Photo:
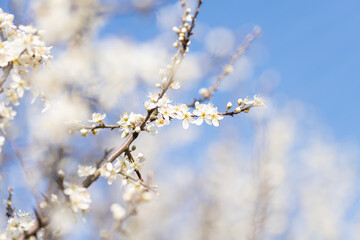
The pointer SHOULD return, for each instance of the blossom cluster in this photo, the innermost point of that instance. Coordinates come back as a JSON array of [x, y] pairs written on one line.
[[129, 123], [21, 46], [166, 111], [17, 225], [21, 49], [124, 168]]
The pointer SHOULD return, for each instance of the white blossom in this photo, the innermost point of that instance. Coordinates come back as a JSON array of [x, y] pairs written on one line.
[[84, 171], [111, 171], [97, 117], [118, 211], [18, 224], [79, 197]]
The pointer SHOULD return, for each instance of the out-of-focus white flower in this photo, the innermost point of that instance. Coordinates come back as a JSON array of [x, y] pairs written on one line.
[[6, 112], [131, 191], [204, 92], [47, 105], [84, 171], [13, 96], [258, 101], [84, 132], [147, 196], [175, 85], [97, 117], [19, 84], [228, 69], [150, 128], [79, 197], [118, 212]]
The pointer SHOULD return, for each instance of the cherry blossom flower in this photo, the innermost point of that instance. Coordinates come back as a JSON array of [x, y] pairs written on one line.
[[97, 117], [111, 171], [118, 211]]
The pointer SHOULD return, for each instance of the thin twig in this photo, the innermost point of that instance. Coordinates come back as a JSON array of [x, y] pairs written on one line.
[[9, 208], [131, 159], [142, 183]]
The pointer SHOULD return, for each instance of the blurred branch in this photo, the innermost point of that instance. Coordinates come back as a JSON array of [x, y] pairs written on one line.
[[28, 175], [260, 213], [208, 93], [6, 71]]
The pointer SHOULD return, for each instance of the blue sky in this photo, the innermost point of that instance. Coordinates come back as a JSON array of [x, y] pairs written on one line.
[[314, 45]]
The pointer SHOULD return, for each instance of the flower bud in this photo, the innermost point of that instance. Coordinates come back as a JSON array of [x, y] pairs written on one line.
[[137, 129], [176, 29], [229, 105]]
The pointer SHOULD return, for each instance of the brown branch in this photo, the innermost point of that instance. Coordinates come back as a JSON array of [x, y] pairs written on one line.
[[92, 178], [192, 25], [3, 38], [244, 109], [6, 72], [100, 126]]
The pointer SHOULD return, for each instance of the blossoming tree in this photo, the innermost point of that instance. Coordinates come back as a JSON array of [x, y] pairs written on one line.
[[22, 54]]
